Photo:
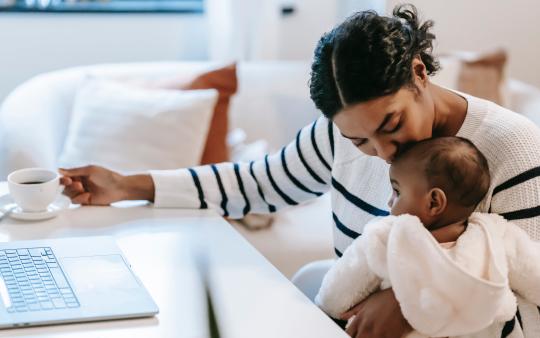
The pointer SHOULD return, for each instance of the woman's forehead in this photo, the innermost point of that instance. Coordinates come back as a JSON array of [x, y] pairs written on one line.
[[365, 118]]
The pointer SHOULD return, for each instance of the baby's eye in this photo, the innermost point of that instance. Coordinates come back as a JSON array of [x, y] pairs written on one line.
[[396, 192]]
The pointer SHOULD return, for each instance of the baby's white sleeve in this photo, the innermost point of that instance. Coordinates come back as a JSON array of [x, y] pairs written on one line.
[[523, 256], [348, 282]]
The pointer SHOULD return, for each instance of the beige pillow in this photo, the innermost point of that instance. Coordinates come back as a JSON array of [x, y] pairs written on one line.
[[131, 129], [478, 74]]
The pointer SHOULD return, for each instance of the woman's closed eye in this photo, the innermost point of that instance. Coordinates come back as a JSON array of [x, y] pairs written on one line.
[[359, 142], [388, 130], [394, 127]]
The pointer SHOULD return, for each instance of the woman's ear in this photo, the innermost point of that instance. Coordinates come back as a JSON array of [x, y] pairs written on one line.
[[437, 202], [419, 71]]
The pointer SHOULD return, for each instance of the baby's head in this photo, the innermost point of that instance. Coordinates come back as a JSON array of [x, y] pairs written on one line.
[[440, 180]]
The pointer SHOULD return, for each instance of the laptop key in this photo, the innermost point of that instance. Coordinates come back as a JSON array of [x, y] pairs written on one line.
[[59, 303], [47, 305], [16, 297], [36, 252], [59, 278], [65, 291], [34, 307]]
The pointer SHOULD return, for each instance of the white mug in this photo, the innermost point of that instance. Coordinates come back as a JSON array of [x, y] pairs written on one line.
[[34, 189]]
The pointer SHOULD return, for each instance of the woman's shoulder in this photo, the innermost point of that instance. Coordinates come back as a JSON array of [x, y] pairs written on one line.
[[500, 128], [509, 141]]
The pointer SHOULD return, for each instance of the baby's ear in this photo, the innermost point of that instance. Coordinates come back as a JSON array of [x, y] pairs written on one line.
[[437, 202]]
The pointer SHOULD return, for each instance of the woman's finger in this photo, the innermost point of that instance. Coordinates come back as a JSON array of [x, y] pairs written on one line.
[[352, 327], [83, 198], [351, 312], [65, 180], [75, 188], [71, 194], [81, 171]]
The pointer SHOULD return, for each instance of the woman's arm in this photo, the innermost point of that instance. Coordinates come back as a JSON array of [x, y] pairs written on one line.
[[299, 171], [516, 195]]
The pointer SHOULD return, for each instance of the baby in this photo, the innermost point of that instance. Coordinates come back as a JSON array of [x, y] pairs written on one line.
[[451, 269]]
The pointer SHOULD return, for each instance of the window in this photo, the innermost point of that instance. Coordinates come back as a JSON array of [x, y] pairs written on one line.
[[103, 6]]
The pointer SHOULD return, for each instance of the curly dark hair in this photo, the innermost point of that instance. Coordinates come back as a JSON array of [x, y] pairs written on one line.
[[369, 56]]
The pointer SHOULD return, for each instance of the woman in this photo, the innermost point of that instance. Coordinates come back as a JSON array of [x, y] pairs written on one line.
[[370, 80]]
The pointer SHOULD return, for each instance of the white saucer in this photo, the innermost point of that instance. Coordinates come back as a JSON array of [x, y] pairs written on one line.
[[62, 202]]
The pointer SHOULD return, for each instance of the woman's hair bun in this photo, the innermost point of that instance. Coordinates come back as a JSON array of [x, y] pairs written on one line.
[[421, 36]]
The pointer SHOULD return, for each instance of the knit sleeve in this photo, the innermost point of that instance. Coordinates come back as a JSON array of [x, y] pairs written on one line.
[[298, 172], [516, 195]]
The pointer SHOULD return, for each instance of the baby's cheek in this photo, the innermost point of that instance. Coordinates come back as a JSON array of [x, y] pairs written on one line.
[[395, 207]]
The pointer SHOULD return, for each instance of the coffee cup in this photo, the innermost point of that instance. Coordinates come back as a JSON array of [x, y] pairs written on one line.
[[34, 189]]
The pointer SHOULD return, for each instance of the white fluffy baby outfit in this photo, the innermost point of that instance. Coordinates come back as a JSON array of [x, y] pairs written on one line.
[[456, 292]]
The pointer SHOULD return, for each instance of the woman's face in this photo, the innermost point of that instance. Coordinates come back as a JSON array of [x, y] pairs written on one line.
[[380, 127]]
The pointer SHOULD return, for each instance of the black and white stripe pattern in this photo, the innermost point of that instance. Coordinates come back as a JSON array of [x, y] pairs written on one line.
[[317, 162], [298, 172]]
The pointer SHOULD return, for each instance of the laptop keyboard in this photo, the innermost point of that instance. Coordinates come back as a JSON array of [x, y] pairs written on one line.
[[35, 281]]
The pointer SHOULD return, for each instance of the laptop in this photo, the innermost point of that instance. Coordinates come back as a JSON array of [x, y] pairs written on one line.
[[68, 280]]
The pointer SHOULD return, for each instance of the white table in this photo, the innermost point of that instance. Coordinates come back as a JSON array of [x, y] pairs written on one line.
[[251, 298]]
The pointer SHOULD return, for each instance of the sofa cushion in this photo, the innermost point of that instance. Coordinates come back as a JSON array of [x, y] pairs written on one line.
[[477, 74], [129, 128], [224, 80]]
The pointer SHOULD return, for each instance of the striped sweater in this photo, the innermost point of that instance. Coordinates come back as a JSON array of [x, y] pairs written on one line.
[[321, 160]]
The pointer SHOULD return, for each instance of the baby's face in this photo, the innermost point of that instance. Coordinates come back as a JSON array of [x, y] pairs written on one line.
[[410, 192]]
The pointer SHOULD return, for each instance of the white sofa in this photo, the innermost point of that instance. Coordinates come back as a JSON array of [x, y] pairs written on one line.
[[272, 104]]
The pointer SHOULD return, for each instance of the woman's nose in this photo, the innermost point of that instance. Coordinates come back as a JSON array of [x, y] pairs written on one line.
[[385, 150]]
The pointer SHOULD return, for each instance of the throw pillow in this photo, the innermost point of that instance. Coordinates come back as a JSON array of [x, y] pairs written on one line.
[[224, 80], [477, 74], [129, 128]]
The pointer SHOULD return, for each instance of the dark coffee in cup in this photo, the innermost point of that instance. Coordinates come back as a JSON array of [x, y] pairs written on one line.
[[34, 189]]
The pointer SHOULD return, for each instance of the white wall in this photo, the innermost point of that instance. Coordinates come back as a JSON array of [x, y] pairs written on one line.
[[300, 32], [483, 24], [34, 43]]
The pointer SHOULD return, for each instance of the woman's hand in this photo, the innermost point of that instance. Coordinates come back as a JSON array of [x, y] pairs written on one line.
[[379, 316], [94, 185]]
